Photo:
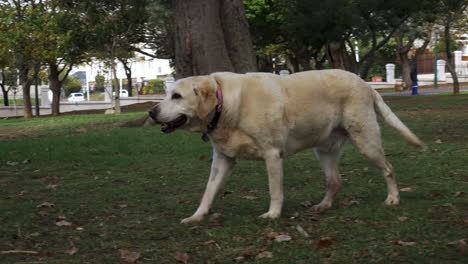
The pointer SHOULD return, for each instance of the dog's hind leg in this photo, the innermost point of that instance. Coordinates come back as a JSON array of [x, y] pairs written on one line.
[[221, 169], [365, 136], [329, 155]]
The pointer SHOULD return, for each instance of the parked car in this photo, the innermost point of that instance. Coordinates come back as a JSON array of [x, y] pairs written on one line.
[[76, 97], [123, 93]]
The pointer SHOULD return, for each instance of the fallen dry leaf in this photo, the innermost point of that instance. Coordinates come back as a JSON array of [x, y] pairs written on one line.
[[215, 217], [249, 197], [282, 238], [35, 234], [438, 141], [239, 259], [43, 213], [123, 206], [71, 251], [182, 257], [456, 194], [63, 223], [12, 163], [460, 242], [129, 256], [264, 254], [349, 202], [209, 242], [402, 218], [302, 231], [324, 243], [46, 204], [272, 235], [403, 243], [406, 189]]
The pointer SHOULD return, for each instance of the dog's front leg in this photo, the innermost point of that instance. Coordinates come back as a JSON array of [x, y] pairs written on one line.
[[274, 164], [221, 168]]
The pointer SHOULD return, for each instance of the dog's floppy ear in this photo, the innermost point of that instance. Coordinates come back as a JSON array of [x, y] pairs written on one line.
[[207, 100]]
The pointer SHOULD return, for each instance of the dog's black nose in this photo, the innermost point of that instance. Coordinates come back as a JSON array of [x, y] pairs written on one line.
[[151, 114]]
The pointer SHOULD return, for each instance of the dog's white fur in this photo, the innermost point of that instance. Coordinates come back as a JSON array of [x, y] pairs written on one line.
[[270, 117]]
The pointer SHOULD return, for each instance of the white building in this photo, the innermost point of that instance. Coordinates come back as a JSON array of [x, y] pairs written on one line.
[[143, 68]]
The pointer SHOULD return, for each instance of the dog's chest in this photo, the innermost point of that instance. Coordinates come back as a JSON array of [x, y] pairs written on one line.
[[235, 143]]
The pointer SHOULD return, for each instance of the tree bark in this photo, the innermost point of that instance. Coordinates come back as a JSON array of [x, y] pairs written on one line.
[[405, 70], [338, 56], [448, 51], [26, 82], [211, 36], [4, 90], [237, 36], [55, 87], [128, 74], [55, 84]]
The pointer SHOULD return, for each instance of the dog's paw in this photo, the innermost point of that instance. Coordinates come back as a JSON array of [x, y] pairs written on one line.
[[392, 200], [192, 219], [270, 215], [321, 207]]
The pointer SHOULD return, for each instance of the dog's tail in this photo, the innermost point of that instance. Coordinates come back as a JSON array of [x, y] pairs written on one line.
[[390, 118]]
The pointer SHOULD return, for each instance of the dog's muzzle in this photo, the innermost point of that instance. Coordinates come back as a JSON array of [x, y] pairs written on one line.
[[153, 113], [167, 127]]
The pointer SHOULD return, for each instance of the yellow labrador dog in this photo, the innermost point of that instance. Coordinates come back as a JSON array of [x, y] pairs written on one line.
[[269, 117]]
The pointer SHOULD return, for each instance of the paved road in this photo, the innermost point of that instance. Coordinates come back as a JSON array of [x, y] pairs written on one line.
[[424, 91]]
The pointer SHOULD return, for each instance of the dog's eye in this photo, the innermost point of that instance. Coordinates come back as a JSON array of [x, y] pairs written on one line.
[[176, 96]]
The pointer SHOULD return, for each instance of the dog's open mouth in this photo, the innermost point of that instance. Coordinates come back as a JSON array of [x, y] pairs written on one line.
[[169, 127]]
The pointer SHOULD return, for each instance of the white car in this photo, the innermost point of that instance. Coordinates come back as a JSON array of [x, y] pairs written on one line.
[[123, 93], [76, 97]]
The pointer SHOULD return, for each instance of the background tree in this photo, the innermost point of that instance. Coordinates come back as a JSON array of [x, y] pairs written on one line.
[[126, 57], [452, 11], [4, 72], [210, 36], [20, 24], [72, 84], [65, 45], [419, 28]]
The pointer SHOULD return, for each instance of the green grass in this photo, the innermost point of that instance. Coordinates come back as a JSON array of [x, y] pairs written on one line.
[[128, 188]]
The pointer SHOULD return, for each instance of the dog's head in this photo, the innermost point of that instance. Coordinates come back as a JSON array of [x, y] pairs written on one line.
[[187, 104]]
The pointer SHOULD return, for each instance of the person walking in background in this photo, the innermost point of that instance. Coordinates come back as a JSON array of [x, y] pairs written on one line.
[[414, 79]]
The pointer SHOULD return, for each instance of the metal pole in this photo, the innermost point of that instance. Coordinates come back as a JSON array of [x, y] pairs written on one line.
[[435, 57], [37, 98]]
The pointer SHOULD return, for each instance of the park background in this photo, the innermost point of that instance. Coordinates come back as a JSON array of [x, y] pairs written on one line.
[[88, 187]]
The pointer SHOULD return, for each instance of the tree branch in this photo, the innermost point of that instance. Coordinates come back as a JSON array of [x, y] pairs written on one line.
[[144, 53]]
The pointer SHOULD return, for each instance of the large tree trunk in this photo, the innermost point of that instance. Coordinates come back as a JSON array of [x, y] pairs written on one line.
[[405, 69], [55, 86], [211, 36], [237, 36], [448, 51], [26, 82], [4, 90], [5, 95], [338, 56], [128, 73]]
